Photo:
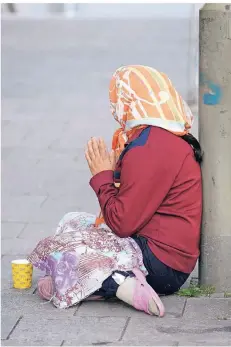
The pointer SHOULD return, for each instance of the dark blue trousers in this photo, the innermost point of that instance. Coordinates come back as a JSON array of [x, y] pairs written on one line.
[[163, 279]]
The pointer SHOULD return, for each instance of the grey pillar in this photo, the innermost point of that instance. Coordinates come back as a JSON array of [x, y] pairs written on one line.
[[215, 139]]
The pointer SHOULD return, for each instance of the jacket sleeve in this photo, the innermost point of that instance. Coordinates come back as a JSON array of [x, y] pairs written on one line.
[[145, 182]]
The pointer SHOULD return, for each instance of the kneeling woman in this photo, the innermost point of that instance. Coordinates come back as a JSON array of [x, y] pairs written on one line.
[[146, 240]]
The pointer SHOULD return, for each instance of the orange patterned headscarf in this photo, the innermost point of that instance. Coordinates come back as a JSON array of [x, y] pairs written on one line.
[[141, 96]]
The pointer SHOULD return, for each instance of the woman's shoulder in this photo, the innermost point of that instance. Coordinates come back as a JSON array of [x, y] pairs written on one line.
[[168, 142]]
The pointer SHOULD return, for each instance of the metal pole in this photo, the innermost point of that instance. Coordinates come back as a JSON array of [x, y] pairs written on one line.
[[215, 139]]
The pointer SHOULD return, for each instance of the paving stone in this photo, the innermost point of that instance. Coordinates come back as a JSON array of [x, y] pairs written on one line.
[[23, 302], [4, 123], [30, 343], [25, 157], [217, 295], [34, 183], [22, 208], [81, 330], [15, 132], [52, 208], [37, 231], [75, 184], [56, 207], [70, 159], [107, 309], [10, 109], [73, 173], [85, 130], [21, 186], [54, 183], [24, 163], [206, 342], [5, 152], [177, 329], [65, 108], [16, 246], [153, 342], [207, 308], [11, 230], [55, 172], [44, 182], [43, 133], [8, 323], [174, 307]]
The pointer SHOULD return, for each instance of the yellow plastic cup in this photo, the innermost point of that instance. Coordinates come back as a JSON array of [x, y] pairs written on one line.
[[22, 271]]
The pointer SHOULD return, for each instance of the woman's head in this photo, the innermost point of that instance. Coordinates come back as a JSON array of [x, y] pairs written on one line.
[[140, 95]]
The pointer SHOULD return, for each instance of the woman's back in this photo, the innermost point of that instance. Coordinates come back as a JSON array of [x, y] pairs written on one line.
[[174, 229]]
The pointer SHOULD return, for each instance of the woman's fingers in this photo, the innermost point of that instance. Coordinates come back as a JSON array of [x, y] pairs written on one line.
[[87, 156], [112, 157], [90, 149], [95, 146], [102, 148]]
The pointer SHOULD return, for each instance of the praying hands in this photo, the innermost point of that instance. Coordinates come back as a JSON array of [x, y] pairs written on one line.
[[98, 157]]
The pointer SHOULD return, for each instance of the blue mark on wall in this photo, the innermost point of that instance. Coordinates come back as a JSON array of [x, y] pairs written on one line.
[[213, 97], [213, 94]]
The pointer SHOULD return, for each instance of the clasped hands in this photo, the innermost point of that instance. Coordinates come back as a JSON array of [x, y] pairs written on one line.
[[98, 157]]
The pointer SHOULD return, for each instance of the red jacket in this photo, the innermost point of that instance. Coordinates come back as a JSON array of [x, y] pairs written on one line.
[[160, 197]]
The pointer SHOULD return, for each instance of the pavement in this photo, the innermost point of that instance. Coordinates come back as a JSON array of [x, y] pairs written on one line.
[[55, 77]]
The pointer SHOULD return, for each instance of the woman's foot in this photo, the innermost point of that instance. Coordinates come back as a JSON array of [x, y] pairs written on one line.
[[45, 288], [136, 292]]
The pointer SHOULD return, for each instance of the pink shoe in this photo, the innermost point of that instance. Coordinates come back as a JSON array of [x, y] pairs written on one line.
[[144, 295]]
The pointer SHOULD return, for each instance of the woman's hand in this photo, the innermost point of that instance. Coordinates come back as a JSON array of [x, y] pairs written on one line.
[[98, 157]]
